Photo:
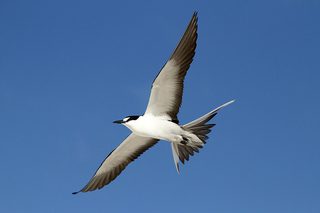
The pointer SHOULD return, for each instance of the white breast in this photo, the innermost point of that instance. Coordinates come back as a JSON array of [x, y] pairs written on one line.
[[154, 127]]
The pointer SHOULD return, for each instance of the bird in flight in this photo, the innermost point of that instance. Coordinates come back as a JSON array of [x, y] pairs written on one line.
[[160, 121]]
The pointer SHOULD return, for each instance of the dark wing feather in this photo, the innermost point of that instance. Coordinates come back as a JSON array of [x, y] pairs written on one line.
[[130, 149], [167, 88]]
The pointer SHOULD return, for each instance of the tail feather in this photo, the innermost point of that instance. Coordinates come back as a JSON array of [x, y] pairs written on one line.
[[175, 156], [182, 153], [201, 129]]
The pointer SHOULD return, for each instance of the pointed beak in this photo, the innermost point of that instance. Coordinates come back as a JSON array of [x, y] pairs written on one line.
[[118, 122]]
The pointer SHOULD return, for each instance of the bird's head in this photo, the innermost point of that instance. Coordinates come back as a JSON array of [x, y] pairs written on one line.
[[127, 120]]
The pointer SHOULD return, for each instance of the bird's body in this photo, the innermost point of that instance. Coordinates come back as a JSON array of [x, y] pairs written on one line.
[[159, 127], [160, 121], [155, 127]]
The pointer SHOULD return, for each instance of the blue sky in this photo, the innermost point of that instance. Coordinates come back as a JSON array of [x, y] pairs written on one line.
[[69, 68]]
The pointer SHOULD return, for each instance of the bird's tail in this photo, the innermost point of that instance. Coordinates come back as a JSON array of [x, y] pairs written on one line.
[[199, 128]]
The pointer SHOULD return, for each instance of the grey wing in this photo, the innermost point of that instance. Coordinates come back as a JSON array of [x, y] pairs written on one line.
[[130, 149], [167, 88]]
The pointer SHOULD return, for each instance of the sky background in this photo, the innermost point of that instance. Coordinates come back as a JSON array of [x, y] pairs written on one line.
[[69, 68]]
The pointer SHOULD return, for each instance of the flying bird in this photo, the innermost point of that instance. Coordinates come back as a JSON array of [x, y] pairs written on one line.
[[160, 121]]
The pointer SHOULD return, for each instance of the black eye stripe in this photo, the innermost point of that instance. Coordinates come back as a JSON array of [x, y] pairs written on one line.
[[132, 117]]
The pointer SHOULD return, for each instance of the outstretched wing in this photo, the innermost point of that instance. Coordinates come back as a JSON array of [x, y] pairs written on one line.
[[130, 149], [167, 88]]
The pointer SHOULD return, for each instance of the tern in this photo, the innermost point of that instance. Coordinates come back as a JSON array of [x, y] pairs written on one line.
[[160, 121]]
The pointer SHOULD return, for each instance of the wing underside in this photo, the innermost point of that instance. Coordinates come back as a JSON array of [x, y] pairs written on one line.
[[130, 149], [167, 88]]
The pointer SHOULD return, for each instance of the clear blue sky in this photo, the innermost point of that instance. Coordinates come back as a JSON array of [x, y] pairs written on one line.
[[69, 68]]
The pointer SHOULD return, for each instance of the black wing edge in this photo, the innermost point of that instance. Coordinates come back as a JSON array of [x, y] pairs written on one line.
[[94, 183], [74, 193], [178, 51]]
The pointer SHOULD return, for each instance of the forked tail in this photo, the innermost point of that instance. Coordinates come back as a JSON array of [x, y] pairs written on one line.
[[201, 129]]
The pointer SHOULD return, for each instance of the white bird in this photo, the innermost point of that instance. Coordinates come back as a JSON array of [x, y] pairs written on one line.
[[160, 121]]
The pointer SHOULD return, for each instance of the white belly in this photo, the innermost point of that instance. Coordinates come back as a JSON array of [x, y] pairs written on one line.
[[154, 127]]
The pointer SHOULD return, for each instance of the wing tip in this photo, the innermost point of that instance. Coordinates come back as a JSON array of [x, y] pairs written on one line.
[[195, 14], [194, 19], [74, 193]]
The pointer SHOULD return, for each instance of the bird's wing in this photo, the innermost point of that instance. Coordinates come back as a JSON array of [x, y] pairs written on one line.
[[167, 88], [130, 149]]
